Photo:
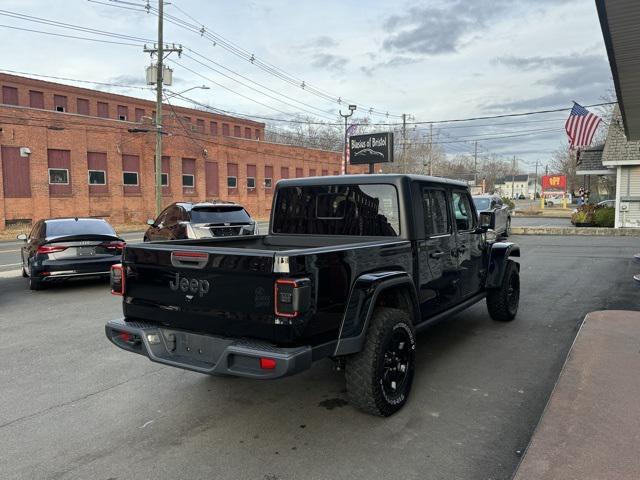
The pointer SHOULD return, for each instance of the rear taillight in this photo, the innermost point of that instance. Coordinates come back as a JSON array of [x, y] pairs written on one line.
[[51, 248], [291, 296], [115, 245], [129, 339], [118, 279]]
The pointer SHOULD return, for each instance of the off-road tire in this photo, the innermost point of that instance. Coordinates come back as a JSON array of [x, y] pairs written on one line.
[[365, 370], [502, 302]]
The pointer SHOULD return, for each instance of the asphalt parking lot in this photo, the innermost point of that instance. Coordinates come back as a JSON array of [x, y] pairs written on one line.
[[73, 406]]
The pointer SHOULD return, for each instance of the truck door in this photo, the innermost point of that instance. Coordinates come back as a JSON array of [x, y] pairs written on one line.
[[438, 269], [468, 250]]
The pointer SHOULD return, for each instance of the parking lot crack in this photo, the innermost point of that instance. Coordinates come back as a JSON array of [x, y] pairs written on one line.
[[78, 399]]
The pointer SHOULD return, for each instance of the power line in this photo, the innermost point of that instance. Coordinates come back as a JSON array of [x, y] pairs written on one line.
[[98, 40], [255, 89], [217, 39]]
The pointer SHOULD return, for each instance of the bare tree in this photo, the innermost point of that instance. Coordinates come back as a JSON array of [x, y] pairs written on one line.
[[563, 161]]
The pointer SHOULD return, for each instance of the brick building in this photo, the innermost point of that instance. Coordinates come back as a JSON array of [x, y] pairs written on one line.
[[68, 151]]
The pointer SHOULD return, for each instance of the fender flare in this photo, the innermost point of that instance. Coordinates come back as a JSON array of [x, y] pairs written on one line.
[[498, 257], [362, 299]]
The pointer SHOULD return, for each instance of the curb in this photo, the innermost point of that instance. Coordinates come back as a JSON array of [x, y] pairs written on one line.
[[587, 231]]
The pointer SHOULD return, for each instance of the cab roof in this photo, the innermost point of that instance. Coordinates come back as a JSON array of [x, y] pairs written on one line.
[[391, 178]]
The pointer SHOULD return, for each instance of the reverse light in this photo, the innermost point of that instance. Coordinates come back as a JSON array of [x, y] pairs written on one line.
[[117, 279], [51, 248], [291, 296], [267, 364]]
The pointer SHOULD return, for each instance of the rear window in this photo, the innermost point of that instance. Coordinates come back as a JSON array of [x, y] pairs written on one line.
[[482, 203], [363, 210], [220, 215], [60, 228]]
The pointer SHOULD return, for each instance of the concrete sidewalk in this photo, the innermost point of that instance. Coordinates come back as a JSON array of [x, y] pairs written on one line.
[[592, 231], [590, 428]]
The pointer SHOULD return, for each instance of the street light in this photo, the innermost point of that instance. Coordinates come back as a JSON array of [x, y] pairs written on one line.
[[201, 87], [352, 108]]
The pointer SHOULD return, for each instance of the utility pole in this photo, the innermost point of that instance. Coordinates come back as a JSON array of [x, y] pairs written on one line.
[[513, 176], [160, 52], [475, 163], [404, 143]]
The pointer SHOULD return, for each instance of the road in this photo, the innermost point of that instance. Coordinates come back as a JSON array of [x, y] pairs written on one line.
[[76, 407]]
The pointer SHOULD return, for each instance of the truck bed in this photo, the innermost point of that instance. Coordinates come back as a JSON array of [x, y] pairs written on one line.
[[230, 292]]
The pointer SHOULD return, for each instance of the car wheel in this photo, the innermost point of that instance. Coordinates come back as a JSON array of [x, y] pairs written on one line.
[[35, 283], [379, 378], [503, 302]]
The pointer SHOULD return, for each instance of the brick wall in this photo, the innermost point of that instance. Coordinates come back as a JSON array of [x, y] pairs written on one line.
[[41, 130]]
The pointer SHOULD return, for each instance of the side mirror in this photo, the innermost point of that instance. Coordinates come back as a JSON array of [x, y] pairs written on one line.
[[150, 222], [22, 236], [487, 220]]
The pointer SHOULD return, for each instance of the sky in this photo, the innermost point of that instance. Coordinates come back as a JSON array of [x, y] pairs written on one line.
[[433, 60]]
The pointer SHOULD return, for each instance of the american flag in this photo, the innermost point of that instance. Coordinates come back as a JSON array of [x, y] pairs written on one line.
[[581, 126]]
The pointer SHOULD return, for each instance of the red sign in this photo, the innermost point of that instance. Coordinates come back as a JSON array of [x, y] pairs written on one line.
[[554, 182]]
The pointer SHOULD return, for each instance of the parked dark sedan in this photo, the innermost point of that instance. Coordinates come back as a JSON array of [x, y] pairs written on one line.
[[69, 248], [185, 220], [493, 203]]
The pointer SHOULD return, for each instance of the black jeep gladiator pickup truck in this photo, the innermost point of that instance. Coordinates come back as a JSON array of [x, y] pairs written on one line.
[[351, 268]]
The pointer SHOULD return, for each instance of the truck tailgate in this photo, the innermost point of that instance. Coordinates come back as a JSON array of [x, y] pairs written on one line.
[[222, 291]]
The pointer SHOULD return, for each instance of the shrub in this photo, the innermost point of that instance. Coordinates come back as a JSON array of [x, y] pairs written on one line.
[[507, 201], [604, 217], [584, 214]]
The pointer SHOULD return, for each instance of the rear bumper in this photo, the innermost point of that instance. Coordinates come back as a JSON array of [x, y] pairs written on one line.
[[52, 270], [206, 353]]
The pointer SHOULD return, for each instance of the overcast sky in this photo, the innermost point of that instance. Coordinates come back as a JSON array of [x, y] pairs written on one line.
[[435, 60]]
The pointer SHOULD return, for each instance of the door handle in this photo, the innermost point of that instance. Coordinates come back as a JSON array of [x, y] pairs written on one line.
[[436, 254], [462, 249]]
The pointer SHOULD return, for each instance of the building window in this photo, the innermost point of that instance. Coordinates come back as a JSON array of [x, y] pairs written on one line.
[[251, 183], [232, 182], [60, 103], [82, 105], [267, 183], [123, 112], [139, 114], [236, 131], [58, 176], [200, 125], [16, 177], [247, 132], [213, 128], [36, 99], [188, 180], [103, 109], [9, 95], [97, 177], [257, 134], [164, 179], [130, 178], [225, 129]]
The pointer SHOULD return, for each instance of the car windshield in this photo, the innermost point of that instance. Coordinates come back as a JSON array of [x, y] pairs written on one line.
[[482, 203], [221, 214], [364, 210], [82, 226]]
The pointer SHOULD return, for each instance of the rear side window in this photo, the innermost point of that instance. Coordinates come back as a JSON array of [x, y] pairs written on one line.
[[220, 215], [362, 210], [465, 219], [436, 219], [60, 228]]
